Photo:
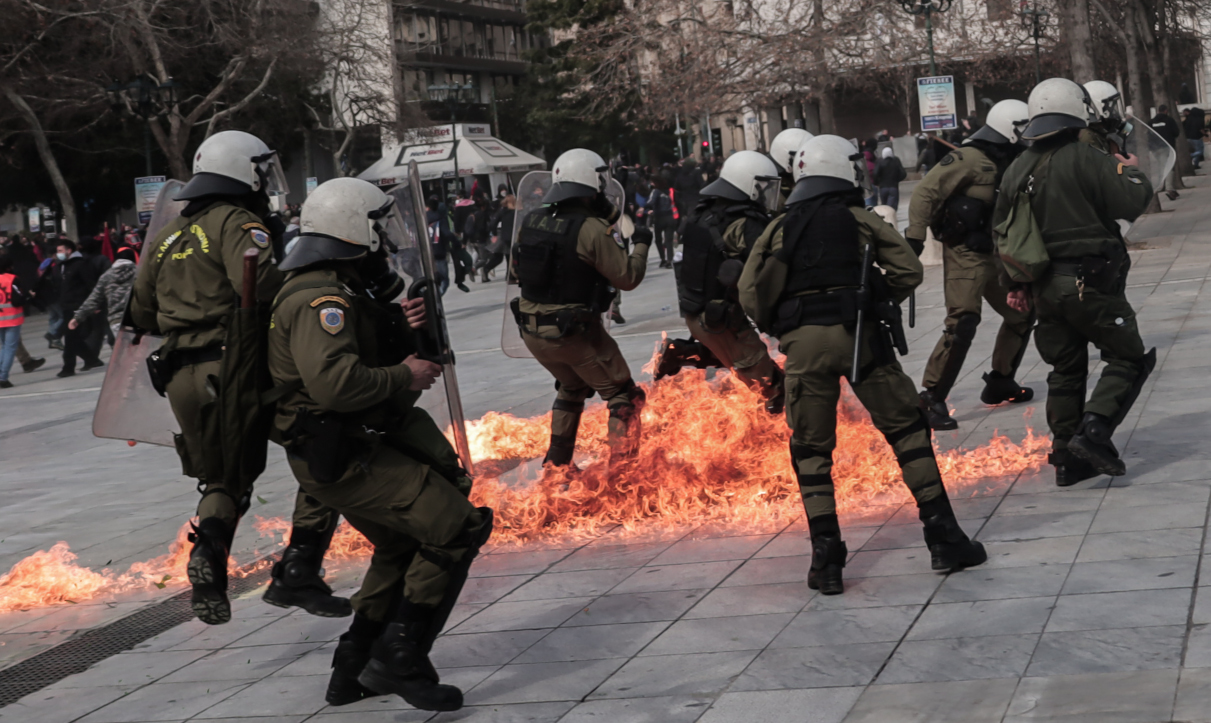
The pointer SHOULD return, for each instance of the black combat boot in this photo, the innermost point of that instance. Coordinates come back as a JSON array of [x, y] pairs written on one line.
[[399, 662], [352, 654], [949, 547], [1092, 443], [1069, 468], [936, 412], [828, 555], [207, 570], [297, 581], [563, 446], [999, 388]]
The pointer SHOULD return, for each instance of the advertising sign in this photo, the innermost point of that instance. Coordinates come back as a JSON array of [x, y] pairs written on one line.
[[49, 229], [311, 184], [35, 219], [936, 96], [147, 190]]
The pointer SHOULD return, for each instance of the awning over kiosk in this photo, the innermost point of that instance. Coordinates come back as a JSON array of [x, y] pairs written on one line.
[[472, 152]]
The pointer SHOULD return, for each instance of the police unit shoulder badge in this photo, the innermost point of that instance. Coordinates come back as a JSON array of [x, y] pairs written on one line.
[[260, 238], [332, 320]]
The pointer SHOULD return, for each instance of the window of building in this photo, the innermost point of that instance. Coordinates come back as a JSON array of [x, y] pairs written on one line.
[[1000, 9]]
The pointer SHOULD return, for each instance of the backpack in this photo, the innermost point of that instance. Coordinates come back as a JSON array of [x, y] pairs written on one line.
[[1019, 240]]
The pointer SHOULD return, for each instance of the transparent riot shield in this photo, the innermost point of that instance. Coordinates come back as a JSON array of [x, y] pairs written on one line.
[[1156, 156], [414, 262], [128, 407], [530, 192]]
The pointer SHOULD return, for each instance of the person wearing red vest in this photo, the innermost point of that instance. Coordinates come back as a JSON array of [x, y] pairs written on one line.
[[12, 316]]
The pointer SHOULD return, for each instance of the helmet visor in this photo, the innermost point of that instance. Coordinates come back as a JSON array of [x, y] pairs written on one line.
[[269, 168], [389, 226], [769, 190]]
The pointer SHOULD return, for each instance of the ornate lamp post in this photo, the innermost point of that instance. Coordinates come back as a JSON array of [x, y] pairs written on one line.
[[927, 8], [1036, 20], [146, 98]]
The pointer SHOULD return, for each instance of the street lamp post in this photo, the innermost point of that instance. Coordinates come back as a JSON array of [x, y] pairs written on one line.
[[146, 98], [927, 8], [453, 95], [1038, 19]]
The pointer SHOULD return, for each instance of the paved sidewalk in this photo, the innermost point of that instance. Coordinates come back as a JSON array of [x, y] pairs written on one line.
[[1088, 609]]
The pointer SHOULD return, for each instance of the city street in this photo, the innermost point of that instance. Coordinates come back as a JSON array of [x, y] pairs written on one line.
[[1091, 607]]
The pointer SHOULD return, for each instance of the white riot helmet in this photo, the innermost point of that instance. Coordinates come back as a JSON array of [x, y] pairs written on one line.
[[235, 163], [345, 218], [1107, 102], [826, 164], [578, 173], [746, 176], [786, 145], [1055, 105], [1004, 124]]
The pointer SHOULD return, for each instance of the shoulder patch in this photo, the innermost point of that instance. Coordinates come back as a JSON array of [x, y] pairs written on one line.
[[332, 320], [335, 299], [259, 238], [250, 226], [949, 158]]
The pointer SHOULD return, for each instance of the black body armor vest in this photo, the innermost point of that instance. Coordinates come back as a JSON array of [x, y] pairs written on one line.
[[703, 251], [548, 267], [820, 245]]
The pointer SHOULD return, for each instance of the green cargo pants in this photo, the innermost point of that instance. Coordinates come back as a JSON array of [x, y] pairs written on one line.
[[1067, 326], [817, 357], [738, 346]]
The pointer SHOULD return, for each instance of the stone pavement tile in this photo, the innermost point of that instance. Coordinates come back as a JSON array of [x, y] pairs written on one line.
[[960, 701], [689, 576], [975, 508], [880, 592], [167, 701], [462, 612], [516, 563], [670, 709], [864, 516], [1143, 574], [826, 705], [816, 667], [77, 617], [845, 627], [797, 542], [295, 695], [892, 537], [994, 656], [1028, 527], [712, 635], [583, 583], [1144, 696], [1107, 651], [540, 682], [1127, 494], [298, 627], [196, 635], [1158, 517], [985, 583], [131, 668], [491, 589], [1175, 469], [242, 664], [1110, 610], [769, 570], [55, 704], [1032, 504], [496, 648], [786, 597], [17, 618], [608, 556], [708, 550], [663, 675], [1193, 697], [636, 607], [518, 713], [1141, 544], [878, 563], [1025, 553], [527, 615], [19, 646], [592, 642], [344, 715], [1014, 616], [1198, 647], [316, 662]]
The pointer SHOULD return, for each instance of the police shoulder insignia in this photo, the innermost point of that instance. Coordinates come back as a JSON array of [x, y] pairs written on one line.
[[334, 299], [948, 159], [332, 320], [260, 238], [250, 226]]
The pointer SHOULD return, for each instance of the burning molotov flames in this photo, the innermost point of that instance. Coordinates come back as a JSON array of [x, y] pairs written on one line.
[[710, 455]]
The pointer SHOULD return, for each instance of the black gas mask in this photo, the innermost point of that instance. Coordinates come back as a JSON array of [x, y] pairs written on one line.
[[382, 283]]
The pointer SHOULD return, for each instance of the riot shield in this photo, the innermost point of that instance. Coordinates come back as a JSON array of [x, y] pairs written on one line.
[[128, 407], [1156, 156], [530, 192], [414, 262]]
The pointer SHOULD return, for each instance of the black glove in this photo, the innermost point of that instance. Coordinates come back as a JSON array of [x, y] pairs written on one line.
[[642, 235], [918, 245]]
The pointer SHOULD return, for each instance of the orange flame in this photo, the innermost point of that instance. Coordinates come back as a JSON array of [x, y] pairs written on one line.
[[710, 455]]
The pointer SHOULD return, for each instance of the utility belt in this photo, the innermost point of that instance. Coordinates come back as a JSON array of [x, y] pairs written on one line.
[[826, 308], [568, 321], [1093, 272], [162, 367]]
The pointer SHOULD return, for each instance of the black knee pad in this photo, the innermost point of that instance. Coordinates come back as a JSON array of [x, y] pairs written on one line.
[[801, 452]]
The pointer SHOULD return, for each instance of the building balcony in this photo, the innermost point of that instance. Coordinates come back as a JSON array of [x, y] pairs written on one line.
[[434, 57], [499, 11]]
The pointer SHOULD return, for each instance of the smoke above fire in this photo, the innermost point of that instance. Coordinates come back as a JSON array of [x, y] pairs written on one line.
[[710, 455]]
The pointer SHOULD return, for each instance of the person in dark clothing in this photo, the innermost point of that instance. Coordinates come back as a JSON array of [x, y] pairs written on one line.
[[686, 186], [440, 237], [888, 174], [1164, 125], [660, 207], [501, 228], [78, 277], [1193, 121], [98, 263]]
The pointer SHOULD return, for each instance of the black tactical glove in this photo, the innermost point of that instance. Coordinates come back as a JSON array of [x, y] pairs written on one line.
[[642, 235], [918, 245]]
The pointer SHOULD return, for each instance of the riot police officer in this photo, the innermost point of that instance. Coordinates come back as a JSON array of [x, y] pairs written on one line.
[[805, 283], [188, 291], [568, 265], [1076, 191], [1106, 125], [956, 199], [783, 150], [344, 364], [716, 239]]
